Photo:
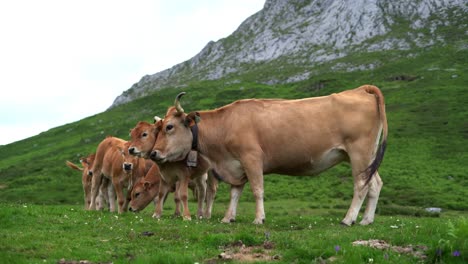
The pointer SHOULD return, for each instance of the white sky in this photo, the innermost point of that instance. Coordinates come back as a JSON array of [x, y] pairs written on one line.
[[61, 61]]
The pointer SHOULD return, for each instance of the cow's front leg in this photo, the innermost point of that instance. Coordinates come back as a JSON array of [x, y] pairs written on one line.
[[230, 216], [200, 185], [164, 188], [183, 194], [254, 170], [177, 200], [120, 197], [212, 186]]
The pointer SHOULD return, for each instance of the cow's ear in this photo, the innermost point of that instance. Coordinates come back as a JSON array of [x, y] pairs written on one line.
[[147, 185], [192, 119]]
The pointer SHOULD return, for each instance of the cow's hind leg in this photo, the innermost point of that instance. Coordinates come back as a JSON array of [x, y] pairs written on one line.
[[375, 185], [111, 196], [360, 158], [95, 185]]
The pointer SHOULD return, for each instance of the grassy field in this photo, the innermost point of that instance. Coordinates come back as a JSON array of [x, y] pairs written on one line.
[[41, 216], [294, 233]]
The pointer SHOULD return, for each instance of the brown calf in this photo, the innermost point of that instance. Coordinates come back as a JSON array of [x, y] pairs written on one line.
[[113, 162]]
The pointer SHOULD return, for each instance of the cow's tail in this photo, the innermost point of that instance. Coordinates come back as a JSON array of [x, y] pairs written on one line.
[[73, 166], [382, 145]]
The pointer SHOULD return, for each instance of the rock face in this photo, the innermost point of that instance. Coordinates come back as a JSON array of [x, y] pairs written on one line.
[[306, 33]]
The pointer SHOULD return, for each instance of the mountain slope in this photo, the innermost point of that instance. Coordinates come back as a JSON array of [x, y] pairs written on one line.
[[303, 35]]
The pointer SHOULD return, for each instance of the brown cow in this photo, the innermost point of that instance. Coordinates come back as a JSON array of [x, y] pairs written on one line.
[[113, 162], [142, 141], [87, 162], [247, 138]]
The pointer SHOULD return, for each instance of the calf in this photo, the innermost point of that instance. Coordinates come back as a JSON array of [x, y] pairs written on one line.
[[87, 162], [113, 162]]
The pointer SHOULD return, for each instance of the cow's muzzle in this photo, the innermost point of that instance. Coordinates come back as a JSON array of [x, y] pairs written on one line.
[[127, 166], [156, 156], [132, 151]]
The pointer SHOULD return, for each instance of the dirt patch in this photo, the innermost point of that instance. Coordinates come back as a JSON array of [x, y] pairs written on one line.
[[418, 251], [239, 252], [2, 186]]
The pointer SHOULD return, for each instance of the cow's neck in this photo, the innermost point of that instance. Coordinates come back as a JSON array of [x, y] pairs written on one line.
[[209, 135]]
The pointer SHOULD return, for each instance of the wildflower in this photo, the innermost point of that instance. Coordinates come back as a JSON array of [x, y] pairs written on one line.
[[371, 260], [337, 248], [394, 226], [456, 253], [386, 256]]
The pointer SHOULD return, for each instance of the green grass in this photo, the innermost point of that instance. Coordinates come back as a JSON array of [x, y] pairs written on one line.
[[298, 233]]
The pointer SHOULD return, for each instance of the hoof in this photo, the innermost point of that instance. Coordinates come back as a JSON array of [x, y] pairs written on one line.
[[346, 223], [226, 220], [187, 218], [366, 222], [155, 216], [259, 221]]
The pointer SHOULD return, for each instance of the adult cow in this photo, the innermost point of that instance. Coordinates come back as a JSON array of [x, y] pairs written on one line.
[[113, 162], [87, 163], [247, 138], [143, 137]]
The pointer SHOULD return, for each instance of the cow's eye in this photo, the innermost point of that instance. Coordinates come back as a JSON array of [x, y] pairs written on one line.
[[137, 194], [144, 134], [169, 127]]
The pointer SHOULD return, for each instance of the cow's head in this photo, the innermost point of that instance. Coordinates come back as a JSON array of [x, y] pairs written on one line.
[[143, 193], [143, 137], [174, 139]]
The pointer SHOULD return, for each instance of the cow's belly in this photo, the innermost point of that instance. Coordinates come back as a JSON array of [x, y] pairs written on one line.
[[312, 166], [231, 171]]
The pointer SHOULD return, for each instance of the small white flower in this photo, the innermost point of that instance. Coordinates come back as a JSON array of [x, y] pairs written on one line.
[[393, 226], [110, 228], [116, 217], [86, 223], [371, 260]]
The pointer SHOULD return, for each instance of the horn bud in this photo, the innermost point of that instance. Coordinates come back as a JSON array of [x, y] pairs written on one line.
[[156, 119], [177, 103]]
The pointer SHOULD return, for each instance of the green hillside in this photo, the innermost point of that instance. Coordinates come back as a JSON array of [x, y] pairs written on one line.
[[425, 164]]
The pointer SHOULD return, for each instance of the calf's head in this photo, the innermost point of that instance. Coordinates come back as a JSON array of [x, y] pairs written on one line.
[[143, 193], [142, 138]]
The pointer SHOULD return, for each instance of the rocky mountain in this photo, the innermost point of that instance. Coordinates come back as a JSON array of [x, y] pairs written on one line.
[[297, 35]]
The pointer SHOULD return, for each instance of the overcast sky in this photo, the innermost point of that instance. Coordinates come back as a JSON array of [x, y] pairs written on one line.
[[61, 61]]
